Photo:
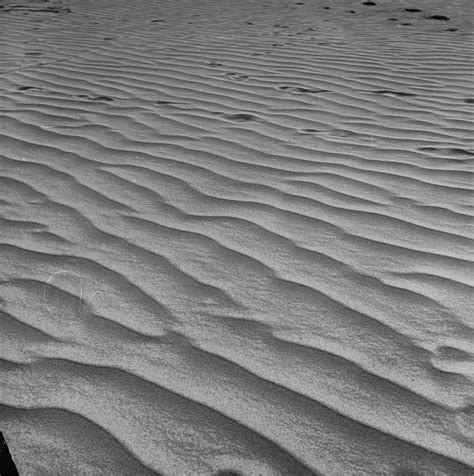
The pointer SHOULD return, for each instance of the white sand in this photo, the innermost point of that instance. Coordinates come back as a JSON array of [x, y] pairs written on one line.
[[237, 236]]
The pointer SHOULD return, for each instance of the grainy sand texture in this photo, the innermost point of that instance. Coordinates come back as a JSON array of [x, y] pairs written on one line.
[[236, 237]]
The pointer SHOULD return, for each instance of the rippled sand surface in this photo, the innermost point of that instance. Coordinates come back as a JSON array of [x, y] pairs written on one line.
[[236, 237]]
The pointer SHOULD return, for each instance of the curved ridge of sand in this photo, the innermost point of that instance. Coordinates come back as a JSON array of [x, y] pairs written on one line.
[[237, 237]]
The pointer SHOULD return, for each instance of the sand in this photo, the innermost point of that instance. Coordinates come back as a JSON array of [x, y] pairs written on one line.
[[236, 237]]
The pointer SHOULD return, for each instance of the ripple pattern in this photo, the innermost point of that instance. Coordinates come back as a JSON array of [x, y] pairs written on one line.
[[236, 237]]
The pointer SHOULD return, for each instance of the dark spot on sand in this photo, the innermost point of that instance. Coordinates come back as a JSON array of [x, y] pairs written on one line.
[[469, 100], [327, 8], [95, 98], [228, 472], [300, 3], [393, 19], [369, 3], [158, 21], [394, 93], [248, 22], [101, 98], [214, 64], [300, 90], [165, 103], [309, 131], [26, 10], [352, 11], [451, 29], [406, 24], [33, 53], [108, 38], [437, 17], [412, 10], [241, 117]]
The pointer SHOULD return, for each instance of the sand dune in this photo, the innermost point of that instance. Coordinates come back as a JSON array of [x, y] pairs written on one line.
[[236, 237]]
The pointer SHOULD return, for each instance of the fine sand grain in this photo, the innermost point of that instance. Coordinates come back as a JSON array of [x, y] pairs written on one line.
[[236, 237]]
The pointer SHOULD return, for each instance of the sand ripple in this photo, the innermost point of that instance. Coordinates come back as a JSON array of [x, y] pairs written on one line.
[[236, 237]]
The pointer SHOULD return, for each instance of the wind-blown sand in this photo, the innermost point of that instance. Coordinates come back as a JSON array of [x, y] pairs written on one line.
[[236, 237]]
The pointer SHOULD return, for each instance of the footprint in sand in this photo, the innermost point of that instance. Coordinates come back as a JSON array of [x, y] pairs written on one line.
[[236, 76]]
